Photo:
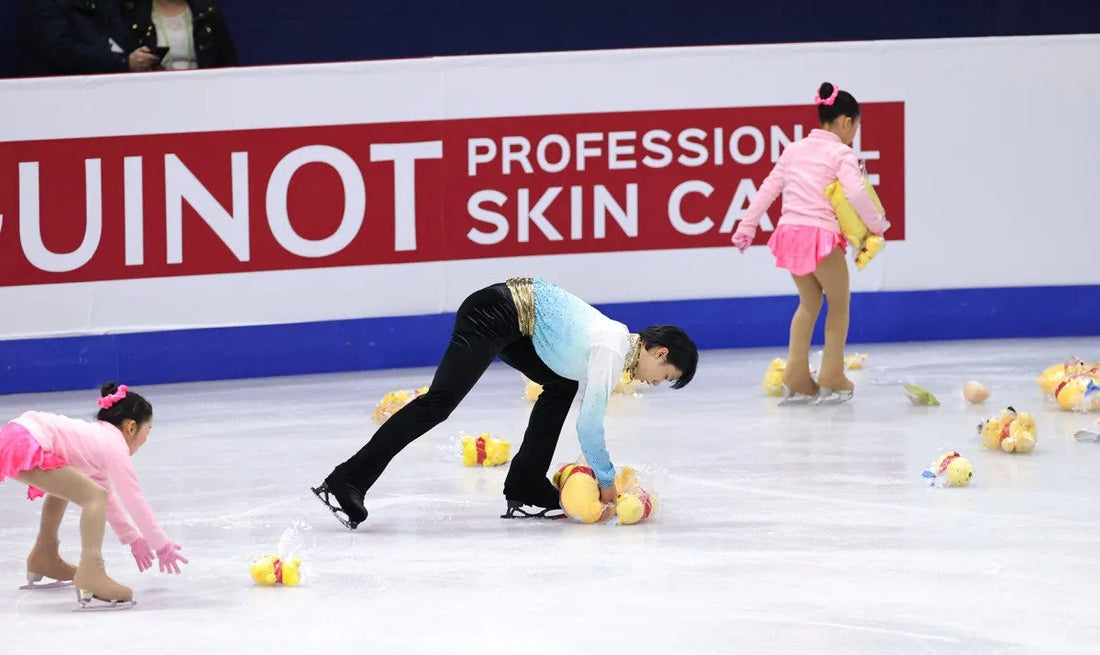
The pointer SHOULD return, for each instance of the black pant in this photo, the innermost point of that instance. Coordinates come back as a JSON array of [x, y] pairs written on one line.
[[486, 326]]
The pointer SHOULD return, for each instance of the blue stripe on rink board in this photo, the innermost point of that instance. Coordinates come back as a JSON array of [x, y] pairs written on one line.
[[405, 341]]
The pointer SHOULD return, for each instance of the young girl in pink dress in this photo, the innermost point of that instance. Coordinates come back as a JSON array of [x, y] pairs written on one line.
[[67, 460], [807, 241]]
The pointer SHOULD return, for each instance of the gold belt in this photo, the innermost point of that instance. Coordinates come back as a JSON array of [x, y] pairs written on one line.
[[523, 295]]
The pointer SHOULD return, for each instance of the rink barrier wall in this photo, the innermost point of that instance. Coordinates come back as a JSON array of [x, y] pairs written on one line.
[[411, 341]]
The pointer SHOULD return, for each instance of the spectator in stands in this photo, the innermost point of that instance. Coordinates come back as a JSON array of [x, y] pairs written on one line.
[[194, 31], [74, 37]]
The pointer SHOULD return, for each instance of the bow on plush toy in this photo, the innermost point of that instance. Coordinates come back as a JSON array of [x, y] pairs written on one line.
[[1009, 431], [484, 450], [866, 244], [393, 401], [270, 570], [580, 496]]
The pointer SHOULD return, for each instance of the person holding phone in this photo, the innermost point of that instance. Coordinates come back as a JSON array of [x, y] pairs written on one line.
[[79, 37], [189, 33]]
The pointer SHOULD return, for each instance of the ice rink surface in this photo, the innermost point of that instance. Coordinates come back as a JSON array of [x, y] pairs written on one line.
[[781, 529]]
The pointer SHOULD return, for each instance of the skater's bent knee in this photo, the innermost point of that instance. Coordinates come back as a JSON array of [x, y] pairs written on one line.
[[93, 496]]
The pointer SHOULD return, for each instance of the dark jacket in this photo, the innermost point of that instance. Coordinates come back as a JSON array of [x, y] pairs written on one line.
[[213, 44], [70, 37]]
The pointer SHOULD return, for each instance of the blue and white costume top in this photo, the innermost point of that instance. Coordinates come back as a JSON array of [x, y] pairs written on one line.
[[578, 343]]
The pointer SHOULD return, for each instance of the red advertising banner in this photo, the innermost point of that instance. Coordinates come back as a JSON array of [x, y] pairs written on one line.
[[309, 197]]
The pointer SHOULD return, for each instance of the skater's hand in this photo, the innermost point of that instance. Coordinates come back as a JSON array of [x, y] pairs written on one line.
[[143, 554], [170, 559], [608, 494], [742, 238]]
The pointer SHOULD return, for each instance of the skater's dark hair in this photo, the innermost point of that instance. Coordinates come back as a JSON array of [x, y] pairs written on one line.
[[682, 352], [830, 108], [118, 403]]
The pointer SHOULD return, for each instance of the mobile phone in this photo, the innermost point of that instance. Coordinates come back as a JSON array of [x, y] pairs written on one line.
[[159, 50]]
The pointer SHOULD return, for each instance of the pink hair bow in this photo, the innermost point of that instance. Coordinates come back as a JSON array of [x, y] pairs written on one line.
[[826, 101], [106, 401]]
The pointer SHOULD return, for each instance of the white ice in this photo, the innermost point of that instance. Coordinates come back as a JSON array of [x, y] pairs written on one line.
[[780, 530]]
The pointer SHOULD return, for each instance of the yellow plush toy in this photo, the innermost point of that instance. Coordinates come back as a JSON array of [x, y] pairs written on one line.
[[484, 450], [1056, 374], [580, 496], [393, 401], [1079, 393], [1010, 431], [866, 245], [950, 470], [270, 570], [532, 390], [854, 362], [773, 377]]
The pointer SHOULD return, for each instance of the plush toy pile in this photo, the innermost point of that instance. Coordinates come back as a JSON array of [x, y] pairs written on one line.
[[580, 496]]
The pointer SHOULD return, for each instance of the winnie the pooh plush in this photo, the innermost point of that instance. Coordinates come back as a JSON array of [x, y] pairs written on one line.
[[580, 496], [1054, 375], [1079, 393], [484, 450], [865, 244], [270, 570], [1010, 431], [393, 401]]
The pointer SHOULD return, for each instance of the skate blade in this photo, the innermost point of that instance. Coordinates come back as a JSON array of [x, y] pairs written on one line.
[[88, 602], [322, 493], [518, 512], [34, 585], [829, 396]]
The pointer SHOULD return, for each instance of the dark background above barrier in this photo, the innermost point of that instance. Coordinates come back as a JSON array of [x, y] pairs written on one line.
[[298, 31]]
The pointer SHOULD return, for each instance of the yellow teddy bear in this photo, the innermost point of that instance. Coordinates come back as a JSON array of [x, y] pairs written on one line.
[[1010, 431], [580, 496], [866, 245], [270, 570], [393, 401], [950, 470], [1079, 393], [484, 450], [1054, 375], [773, 377]]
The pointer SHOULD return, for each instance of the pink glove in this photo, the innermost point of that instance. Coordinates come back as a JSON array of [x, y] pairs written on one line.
[[169, 558], [742, 240], [143, 554]]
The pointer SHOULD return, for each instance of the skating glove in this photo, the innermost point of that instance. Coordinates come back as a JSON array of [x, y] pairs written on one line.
[[742, 238], [170, 559], [143, 554]]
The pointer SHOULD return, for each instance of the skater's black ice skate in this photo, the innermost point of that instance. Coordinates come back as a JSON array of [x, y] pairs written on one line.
[[541, 502], [517, 509], [348, 508]]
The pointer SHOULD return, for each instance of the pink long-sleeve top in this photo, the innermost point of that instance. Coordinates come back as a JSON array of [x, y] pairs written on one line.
[[803, 171], [99, 451]]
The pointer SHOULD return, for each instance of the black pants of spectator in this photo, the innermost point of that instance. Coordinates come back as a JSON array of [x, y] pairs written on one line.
[[486, 326]]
